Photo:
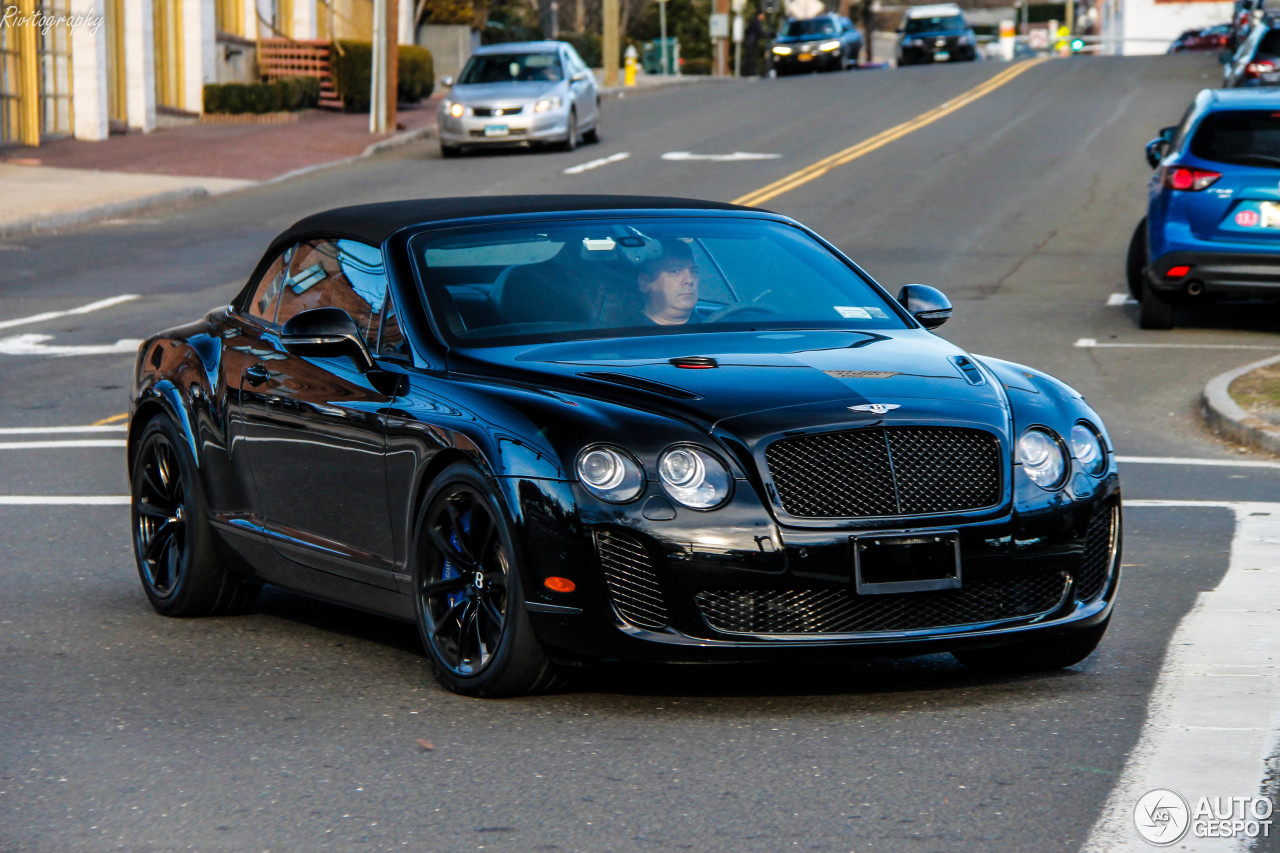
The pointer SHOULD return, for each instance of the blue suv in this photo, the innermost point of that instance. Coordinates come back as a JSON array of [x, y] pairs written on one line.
[[1212, 227]]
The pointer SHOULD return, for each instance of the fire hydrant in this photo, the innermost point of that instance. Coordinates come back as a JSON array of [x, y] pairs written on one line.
[[629, 72]]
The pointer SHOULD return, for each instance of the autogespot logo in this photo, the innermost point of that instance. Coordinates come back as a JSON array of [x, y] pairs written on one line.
[[1161, 817]]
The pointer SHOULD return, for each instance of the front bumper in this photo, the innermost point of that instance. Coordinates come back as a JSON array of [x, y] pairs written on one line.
[[748, 589], [1239, 275], [931, 53], [551, 126], [794, 63]]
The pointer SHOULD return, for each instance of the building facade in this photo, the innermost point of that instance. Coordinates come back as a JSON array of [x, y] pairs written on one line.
[[1136, 27]]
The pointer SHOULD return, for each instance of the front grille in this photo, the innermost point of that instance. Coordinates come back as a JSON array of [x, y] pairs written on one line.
[[514, 131], [886, 471], [633, 586], [486, 112], [1095, 565], [839, 611]]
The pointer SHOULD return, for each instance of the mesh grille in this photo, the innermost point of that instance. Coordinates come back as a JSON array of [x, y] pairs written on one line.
[[880, 472], [838, 611], [632, 584], [1095, 566], [496, 111]]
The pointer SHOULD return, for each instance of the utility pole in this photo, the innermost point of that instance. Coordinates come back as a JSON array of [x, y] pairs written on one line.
[[722, 42], [610, 51], [393, 62], [378, 74], [662, 34]]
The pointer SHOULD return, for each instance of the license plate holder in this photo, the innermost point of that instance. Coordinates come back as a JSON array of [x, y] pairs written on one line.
[[906, 562], [942, 56], [496, 130]]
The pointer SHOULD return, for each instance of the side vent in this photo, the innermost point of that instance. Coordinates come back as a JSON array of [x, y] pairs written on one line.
[[633, 586]]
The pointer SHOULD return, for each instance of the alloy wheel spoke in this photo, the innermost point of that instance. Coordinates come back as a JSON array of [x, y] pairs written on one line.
[[160, 538], [446, 585], [152, 481], [467, 631], [493, 621], [459, 533], [153, 510], [450, 552]]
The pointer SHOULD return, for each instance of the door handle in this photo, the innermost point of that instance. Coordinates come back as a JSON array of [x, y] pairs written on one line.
[[257, 374]]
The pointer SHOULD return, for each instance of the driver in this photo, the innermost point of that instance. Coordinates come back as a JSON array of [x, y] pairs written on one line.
[[669, 285]]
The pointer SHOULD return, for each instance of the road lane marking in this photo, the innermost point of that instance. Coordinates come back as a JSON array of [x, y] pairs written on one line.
[[58, 430], [816, 170], [1178, 460], [111, 420], [35, 345], [1207, 736], [596, 164], [1092, 343], [46, 445], [83, 309], [63, 500], [735, 157], [1116, 299]]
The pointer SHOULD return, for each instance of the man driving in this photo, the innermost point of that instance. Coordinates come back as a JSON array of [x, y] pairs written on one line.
[[669, 284]]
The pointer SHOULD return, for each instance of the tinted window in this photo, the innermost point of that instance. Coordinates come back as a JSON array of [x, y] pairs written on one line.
[[816, 27], [266, 293], [337, 273], [947, 23], [617, 277], [511, 68], [1248, 137], [1270, 44]]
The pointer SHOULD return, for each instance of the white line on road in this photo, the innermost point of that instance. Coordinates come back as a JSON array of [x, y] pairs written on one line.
[[1177, 460], [1208, 736], [53, 315], [63, 500], [1116, 299], [596, 164], [43, 445], [1092, 343], [735, 157], [57, 430], [35, 345]]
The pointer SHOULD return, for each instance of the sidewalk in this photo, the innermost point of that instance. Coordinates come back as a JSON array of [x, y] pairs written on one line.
[[1243, 405]]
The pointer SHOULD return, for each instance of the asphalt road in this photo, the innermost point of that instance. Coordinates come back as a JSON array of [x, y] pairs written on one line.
[[301, 726]]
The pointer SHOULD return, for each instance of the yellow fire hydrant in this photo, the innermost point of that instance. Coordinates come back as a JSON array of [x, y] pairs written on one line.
[[629, 67]]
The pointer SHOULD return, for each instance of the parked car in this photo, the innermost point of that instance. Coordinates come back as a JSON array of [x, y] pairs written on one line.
[[1245, 13], [534, 93], [1205, 38], [825, 43], [1212, 228], [936, 33], [563, 429], [1257, 61]]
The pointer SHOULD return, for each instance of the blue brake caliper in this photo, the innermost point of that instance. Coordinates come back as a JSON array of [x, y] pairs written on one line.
[[450, 570]]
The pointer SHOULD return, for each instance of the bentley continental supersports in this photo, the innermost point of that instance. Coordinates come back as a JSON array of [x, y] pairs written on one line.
[[567, 430]]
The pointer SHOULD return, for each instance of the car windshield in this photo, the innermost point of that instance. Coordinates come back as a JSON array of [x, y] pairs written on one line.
[[1270, 44], [511, 68], [630, 277], [821, 27], [1246, 137], [941, 24]]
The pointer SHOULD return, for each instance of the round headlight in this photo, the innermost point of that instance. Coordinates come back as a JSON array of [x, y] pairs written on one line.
[[455, 110], [1042, 457], [610, 474], [693, 477], [1087, 448]]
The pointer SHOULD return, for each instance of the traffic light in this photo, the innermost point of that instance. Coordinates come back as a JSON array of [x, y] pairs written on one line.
[[1077, 45]]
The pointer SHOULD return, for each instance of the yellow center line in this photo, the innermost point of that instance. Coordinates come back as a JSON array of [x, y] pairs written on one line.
[[111, 420], [853, 152]]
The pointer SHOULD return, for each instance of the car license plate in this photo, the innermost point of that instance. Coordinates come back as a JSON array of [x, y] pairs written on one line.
[[496, 130], [906, 562], [941, 56]]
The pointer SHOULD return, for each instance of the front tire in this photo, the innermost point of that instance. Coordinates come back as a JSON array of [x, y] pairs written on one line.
[[1036, 655], [172, 542], [467, 592], [571, 140], [448, 151]]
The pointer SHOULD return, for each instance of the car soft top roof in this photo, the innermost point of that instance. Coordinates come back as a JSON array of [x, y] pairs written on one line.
[[373, 223]]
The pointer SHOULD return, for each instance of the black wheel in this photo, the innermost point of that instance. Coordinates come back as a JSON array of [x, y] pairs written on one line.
[[1155, 312], [467, 593], [593, 135], [450, 150], [1135, 263], [571, 141], [1036, 655], [172, 543]]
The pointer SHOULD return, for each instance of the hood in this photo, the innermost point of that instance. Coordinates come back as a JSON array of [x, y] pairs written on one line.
[[755, 384], [798, 39], [503, 93]]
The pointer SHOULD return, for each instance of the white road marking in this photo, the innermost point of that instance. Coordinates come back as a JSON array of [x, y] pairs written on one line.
[[1177, 460], [1120, 299], [736, 156], [53, 315], [63, 500], [57, 430], [1205, 735], [596, 164], [45, 445], [35, 345], [1092, 343]]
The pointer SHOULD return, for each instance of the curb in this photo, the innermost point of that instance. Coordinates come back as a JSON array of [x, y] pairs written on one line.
[[1225, 417], [112, 210]]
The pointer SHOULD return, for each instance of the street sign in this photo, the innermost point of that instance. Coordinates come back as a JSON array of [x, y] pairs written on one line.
[[719, 26]]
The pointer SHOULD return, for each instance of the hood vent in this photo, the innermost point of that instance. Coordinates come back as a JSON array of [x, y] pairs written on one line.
[[642, 384]]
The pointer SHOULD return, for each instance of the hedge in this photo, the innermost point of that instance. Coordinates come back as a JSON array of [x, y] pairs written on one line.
[[351, 65], [287, 93]]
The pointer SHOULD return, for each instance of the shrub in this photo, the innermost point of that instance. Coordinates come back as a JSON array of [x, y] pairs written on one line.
[[699, 65], [417, 73], [351, 64], [588, 47], [288, 93]]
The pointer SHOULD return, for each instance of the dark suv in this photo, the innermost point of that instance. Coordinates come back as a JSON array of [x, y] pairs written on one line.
[[935, 33]]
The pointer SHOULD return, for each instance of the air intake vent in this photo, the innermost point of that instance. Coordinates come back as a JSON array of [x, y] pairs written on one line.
[[633, 586], [1099, 547]]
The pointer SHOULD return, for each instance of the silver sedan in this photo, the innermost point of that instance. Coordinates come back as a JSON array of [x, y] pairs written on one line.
[[525, 92]]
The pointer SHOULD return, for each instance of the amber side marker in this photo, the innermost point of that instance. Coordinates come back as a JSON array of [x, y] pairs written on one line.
[[558, 584]]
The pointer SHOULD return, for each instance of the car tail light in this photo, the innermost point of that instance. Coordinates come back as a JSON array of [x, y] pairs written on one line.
[[1184, 178], [1177, 272], [1257, 69]]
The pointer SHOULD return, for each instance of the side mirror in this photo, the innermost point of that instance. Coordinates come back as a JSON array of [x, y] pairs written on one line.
[[1156, 149], [326, 333], [928, 305], [447, 81], [578, 77]]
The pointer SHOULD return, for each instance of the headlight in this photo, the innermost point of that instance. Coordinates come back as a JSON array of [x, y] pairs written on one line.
[[829, 46], [966, 40], [454, 108], [693, 477], [547, 104], [781, 50], [915, 42], [610, 474], [1087, 448], [1042, 457]]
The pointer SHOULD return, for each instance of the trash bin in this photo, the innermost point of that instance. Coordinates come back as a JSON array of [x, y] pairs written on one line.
[[652, 60]]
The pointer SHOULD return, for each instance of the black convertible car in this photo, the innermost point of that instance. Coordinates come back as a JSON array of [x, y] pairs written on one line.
[[572, 429]]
